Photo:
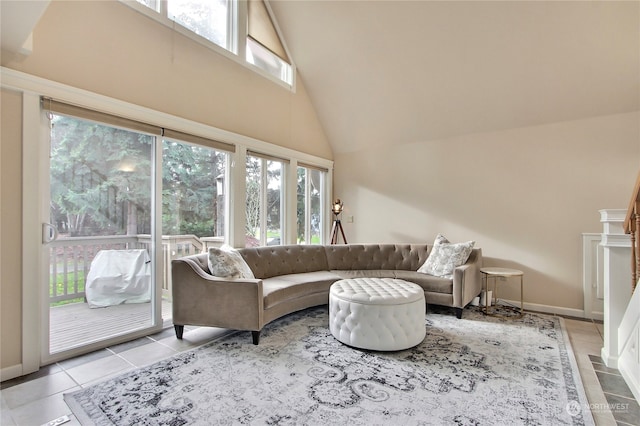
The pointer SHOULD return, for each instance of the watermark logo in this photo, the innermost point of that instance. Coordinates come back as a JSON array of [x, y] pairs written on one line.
[[573, 408]]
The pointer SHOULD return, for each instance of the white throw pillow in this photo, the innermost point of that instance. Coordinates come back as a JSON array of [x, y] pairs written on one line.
[[226, 262], [445, 257]]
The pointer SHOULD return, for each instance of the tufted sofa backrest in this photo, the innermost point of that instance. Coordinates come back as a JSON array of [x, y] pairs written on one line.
[[271, 261], [376, 256]]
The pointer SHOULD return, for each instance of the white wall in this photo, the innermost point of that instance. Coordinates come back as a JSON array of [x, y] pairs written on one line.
[[524, 195]]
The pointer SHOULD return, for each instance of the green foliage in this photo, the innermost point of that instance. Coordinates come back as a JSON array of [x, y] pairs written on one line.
[[100, 178], [59, 285], [190, 201], [101, 182], [309, 185], [263, 176]]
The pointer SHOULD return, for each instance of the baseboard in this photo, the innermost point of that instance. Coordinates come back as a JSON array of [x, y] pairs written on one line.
[[548, 309], [10, 372], [609, 360]]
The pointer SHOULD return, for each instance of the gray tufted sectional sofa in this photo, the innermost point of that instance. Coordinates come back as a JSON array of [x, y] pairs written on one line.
[[295, 277]]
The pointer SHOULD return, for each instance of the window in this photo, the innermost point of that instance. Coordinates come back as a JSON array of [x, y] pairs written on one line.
[[271, 63], [265, 201], [193, 192], [264, 47], [310, 205], [151, 4], [217, 22], [208, 19]]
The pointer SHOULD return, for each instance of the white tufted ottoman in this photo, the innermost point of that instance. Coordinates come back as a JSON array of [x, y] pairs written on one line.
[[382, 314]]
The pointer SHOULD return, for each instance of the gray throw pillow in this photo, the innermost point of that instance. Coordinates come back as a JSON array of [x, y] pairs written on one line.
[[225, 263], [445, 257]]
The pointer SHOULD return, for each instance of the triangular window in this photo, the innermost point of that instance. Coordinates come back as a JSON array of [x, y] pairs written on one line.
[[264, 46], [262, 31]]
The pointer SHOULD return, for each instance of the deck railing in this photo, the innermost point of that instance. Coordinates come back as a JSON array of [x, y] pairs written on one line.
[[632, 226], [70, 259]]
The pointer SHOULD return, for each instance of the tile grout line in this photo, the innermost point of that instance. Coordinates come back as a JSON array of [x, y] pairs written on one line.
[[619, 396], [609, 373]]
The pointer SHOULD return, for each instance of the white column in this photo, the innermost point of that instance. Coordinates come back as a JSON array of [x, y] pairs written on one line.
[[617, 280]]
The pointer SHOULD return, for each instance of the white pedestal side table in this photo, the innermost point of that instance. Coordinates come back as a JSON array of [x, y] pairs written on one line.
[[496, 273]]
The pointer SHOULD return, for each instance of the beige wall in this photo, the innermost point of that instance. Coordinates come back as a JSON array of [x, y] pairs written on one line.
[[524, 195], [10, 229], [109, 49]]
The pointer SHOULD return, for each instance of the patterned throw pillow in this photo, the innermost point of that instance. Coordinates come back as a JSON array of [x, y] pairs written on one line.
[[445, 257], [228, 263]]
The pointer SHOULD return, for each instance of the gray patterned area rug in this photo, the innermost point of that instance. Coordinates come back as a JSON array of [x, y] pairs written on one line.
[[474, 371]]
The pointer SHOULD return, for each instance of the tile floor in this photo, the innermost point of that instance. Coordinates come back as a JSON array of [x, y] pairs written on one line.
[[37, 398], [587, 340], [623, 406]]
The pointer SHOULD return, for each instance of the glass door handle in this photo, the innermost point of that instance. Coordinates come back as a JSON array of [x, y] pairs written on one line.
[[49, 233]]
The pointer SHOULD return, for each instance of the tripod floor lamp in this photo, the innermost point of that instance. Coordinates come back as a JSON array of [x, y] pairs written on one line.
[[336, 208]]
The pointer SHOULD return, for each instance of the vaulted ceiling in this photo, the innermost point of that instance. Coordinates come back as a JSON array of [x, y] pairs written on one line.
[[394, 72]]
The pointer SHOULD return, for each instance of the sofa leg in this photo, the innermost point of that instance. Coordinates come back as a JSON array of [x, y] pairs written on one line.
[[179, 330], [256, 337], [458, 313]]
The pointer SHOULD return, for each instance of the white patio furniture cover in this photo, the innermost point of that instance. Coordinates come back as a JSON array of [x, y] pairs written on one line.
[[119, 276]]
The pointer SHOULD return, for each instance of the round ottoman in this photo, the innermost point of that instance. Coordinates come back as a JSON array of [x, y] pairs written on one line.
[[382, 314]]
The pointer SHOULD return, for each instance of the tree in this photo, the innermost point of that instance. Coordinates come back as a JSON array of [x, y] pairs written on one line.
[[189, 194], [100, 178], [101, 182], [309, 183], [254, 179], [264, 197]]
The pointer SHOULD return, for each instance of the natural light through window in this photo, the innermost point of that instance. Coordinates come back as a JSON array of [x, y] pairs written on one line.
[[217, 23], [208, 19], [310, 187], [265, 59], [265, 201]]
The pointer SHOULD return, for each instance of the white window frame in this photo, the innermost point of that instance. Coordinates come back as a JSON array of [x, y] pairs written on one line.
[[225, 181], [307, 204], [236, 38], [263, 197]]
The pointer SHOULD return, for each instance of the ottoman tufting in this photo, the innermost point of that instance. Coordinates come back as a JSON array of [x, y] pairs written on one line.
[[382, 314]]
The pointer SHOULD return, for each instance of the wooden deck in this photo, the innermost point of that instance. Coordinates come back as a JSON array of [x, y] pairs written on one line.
[[77, 323]]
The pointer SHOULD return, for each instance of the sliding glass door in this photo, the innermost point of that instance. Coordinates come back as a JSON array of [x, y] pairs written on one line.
[[100, 239]]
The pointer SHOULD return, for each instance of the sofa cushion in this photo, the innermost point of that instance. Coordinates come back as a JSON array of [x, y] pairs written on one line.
[[376, 256], [286, 287], [227, 264], [427, 282], [273, 261], [445, 257]]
